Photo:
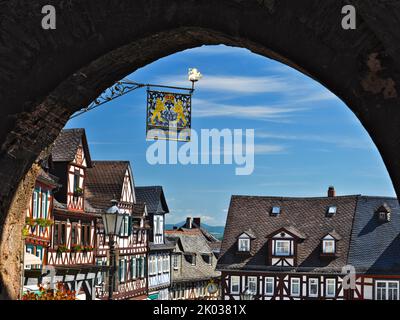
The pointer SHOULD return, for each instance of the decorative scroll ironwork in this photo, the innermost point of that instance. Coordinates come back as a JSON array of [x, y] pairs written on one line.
[[119, 89], [168, 116]]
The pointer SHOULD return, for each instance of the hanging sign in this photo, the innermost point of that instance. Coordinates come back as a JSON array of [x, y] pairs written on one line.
[[168, 116]]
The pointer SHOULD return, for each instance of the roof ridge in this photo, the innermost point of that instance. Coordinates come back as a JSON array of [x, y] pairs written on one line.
[[295, 198]]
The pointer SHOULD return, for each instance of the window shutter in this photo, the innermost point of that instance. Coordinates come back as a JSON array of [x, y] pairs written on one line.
[[129, 226], [120, 270]]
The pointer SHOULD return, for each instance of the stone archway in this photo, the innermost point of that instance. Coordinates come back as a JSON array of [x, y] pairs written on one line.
[[46, 75]]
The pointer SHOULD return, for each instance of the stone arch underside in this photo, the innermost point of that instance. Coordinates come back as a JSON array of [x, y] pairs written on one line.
[[45, 76]]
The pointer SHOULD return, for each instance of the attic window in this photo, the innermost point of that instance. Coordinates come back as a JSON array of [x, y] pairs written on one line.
[[332, 210], [384, 216], [191, 258], [383, 213], [207, 258], [275, 211]]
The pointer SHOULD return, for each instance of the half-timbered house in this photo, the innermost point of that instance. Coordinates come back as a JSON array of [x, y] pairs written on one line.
[[71, 252], [37, 231], [193, 264], [334, 247], [113, 180], [159, 262]]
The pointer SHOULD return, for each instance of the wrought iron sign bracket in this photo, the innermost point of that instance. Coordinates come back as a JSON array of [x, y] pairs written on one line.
[[120, 89]]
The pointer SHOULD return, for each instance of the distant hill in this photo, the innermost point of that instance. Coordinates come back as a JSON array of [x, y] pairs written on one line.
[[216, 231]]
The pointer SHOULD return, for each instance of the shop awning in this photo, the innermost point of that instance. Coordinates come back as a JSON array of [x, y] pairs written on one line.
[[30, 259]]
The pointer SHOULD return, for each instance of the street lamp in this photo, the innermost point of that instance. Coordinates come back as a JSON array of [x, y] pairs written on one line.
[[247, 295], [112, 221]]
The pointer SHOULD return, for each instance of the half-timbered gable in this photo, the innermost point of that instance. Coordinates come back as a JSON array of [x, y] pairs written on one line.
[[304, 249], [73, 238], [106, 181], [39, 218], [160, 249]]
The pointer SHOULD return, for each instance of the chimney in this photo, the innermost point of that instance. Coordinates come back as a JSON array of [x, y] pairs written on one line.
[[188, 223], [331, 192], [197, 222]]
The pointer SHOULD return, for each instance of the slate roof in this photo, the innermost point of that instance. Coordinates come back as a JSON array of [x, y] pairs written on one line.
[[305, 216], [375, 245], [192, 241], [154, 198], [48, 178], [104, 182], [67, 143]]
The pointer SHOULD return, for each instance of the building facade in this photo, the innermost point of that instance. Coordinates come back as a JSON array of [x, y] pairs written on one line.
[[193, 264], [159, 262], [113, 180], [334, 247]]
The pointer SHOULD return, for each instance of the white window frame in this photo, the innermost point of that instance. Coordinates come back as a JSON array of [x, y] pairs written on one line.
[[386, 289], [235, 281], [44, 205], [252, 281], [292, 282], [283, 254], [122, 266], [324, 246], [310, 280], [159, 264], [175, 262], [244, 245], [270, 280], [328, 283], [133, 266], [35, 204]]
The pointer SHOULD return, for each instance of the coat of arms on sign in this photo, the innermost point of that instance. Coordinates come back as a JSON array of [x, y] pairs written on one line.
[[168, 116]]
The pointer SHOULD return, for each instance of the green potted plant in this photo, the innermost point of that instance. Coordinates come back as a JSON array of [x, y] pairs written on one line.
[[30, 222], [62, 248], [25, 232], [76, 248], [78, 192], [44, 222], [88, 248]]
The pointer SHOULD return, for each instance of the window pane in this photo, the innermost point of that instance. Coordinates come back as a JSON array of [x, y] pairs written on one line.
[[235, 284], [269, 286], [295, 287], [282, 247], [252, 284]]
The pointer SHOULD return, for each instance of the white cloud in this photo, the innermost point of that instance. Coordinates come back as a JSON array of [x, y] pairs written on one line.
[[339, 141], [231, 83], [205, 109]]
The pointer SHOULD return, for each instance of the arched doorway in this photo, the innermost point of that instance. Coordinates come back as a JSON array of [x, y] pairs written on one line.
[[47, 75]]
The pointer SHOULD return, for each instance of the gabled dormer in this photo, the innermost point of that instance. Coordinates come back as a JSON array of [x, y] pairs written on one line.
[[329, 244], [244, 241], [282, 246], [383, 213], [70, 156]]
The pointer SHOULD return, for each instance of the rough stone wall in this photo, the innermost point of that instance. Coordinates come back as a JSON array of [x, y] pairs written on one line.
[[11, 242], [47, 75]]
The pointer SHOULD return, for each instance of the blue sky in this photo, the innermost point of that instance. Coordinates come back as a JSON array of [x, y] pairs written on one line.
[[305, 137]]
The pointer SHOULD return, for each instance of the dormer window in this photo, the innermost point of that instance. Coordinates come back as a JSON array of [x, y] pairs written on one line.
[[244, 241], [328, 245], [244, 244], [383, 213], [331, 211], [275, 211], [282, 248]]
